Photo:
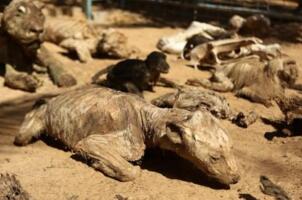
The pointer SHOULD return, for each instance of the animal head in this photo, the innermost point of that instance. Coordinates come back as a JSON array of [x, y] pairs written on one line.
[[201, 140], [32, 123], [192, 42], [285, 69], [289, 74], [24, 22], [157, 61]]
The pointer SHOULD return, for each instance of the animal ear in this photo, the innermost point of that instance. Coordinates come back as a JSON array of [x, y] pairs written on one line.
[[39, 4], [174, 133], [40, 102]]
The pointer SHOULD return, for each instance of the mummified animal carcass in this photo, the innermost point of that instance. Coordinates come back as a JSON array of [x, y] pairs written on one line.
[[228, 51], [85, 40], [193, 99], [111, 128]]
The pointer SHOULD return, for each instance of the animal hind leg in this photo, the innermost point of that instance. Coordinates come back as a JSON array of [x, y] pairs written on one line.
[[253, 96], [107, 155], [219, 82]]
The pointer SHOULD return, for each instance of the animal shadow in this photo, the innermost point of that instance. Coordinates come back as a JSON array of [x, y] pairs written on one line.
[[53, 143], [246, 196], [282, 129], [173, 167]]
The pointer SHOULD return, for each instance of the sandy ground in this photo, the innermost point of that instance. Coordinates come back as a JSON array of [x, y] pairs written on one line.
[[48, 172]]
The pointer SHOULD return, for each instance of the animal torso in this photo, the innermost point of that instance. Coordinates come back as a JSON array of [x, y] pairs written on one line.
[[77, 114], [57, 30]]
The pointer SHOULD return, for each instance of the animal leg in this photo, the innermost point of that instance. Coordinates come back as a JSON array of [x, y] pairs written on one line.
[[253, 96], [130, 87], [107, 155], [55, 68], [20, 80], [80, 47], [219, 82]]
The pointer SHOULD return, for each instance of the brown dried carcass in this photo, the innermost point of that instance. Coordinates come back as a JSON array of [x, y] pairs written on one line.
[[21, 28], [253, 79], [111, 128], [193, 99], [80, 37], [11, 189], [114, 44]]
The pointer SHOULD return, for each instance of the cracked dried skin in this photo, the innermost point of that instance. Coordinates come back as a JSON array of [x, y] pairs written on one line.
[[112, 128], [253, 79], [192, 99]]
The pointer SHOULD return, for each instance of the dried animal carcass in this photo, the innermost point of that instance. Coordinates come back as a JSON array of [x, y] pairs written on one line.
[[220, 52], [22, 24], [115, 44], [80, 37], [252, 78], [193, 99], [111, 128], [175, 44]]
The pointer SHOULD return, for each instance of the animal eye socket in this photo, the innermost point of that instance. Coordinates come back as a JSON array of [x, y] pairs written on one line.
[[214, 158], [22, 9]]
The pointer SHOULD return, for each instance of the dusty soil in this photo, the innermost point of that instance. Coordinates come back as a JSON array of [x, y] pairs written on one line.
[[46, 171]]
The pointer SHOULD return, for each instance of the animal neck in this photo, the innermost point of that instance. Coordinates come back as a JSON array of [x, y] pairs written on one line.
[[155, 123]]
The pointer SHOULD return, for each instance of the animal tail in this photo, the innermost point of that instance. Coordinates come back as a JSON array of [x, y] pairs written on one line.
[[96, 77]]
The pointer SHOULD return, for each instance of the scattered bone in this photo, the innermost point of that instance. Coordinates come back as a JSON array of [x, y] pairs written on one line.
[[11, 189], [269, 188], [80, 118], [227, 51]]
